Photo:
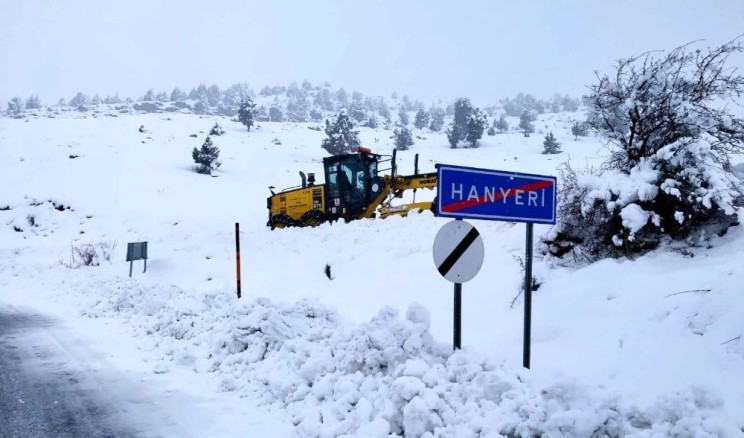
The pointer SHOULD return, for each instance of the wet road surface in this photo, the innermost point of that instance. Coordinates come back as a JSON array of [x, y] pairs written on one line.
[[48, 390]]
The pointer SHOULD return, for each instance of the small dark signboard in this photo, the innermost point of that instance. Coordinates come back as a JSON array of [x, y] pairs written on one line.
[[136, 251]]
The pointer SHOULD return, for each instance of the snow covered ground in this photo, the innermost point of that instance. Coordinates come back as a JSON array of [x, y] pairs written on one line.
[[645, 347]]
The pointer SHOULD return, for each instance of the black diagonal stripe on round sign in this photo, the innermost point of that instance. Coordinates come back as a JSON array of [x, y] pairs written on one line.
[[459, 250]]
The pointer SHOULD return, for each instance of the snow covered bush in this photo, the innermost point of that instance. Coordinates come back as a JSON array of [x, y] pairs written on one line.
[[216, 130], [669, 175]]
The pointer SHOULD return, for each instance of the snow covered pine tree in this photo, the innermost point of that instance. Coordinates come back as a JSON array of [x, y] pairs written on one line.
[[342, 138]]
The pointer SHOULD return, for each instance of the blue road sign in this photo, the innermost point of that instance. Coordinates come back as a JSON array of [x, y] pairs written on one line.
[[468, 192]]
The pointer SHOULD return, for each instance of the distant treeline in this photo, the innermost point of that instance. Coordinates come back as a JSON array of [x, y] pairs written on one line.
[[303, 102]]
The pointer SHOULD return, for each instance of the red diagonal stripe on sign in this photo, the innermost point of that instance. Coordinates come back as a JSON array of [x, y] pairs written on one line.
[[531, 187]]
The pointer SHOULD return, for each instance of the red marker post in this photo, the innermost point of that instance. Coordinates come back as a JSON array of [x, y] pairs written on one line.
[[237, 252]]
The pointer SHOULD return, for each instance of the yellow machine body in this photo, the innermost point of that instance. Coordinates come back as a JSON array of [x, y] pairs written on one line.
[[353, 190]]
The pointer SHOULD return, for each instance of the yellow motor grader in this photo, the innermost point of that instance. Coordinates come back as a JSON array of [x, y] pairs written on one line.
[[353, 190]]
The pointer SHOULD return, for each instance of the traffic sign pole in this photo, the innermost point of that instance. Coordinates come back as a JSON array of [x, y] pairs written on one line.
[[527, 298], [457, 322], [457, 335]]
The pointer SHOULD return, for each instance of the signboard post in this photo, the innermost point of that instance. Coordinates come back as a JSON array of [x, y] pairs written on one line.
[[474, 193], [136, 251], [458, 256]]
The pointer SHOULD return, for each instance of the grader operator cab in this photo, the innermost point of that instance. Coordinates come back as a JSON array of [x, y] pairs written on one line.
[[353, 190]]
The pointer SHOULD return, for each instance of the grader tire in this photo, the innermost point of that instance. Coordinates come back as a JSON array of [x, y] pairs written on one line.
[[281, 221], [312, 218]]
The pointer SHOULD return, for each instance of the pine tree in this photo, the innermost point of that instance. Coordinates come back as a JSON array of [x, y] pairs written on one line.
[[177, 95], [342, 97], [463, 109], [275, 113], [200, 93], [298, 106], [525, 123], [357, 111], [403, 117], [316, 115], [112, 100], [342, 138], [453, 136], [372, 122], [384, 112], [324, 99], [247, 112], [235, 94], [403, 138], [15, 106], [476, 126], [551, 145], [437, 119], [555, 106], [33, 102], [491, 131], [200, 107], [149, 96], [206, 157], [80, 101], [422, 119], [96, 100], [214, 95], [578, 130], [502, 124], [406, 104]]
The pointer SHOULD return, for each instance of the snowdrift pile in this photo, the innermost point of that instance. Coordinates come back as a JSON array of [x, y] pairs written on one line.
[[385, 377]]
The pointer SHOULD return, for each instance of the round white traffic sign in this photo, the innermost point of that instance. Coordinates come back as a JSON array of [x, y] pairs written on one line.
[[458, 251]]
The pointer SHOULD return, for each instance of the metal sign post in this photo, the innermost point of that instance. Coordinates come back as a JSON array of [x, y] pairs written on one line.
[[469, 192], [458, 255], [527, 299]]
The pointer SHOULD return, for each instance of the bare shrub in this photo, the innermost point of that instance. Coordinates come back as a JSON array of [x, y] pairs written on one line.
[[89, 254]]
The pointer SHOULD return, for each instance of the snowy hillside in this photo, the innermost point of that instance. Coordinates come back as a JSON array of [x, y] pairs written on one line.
[[645, 347]]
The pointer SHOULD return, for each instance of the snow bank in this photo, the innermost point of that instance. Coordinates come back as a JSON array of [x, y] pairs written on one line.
[[385, 377]]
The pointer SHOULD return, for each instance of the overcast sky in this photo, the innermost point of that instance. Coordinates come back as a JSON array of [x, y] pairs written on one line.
[[427, 49]]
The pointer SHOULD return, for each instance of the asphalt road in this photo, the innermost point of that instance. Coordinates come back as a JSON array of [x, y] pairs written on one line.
[[45, 391]]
